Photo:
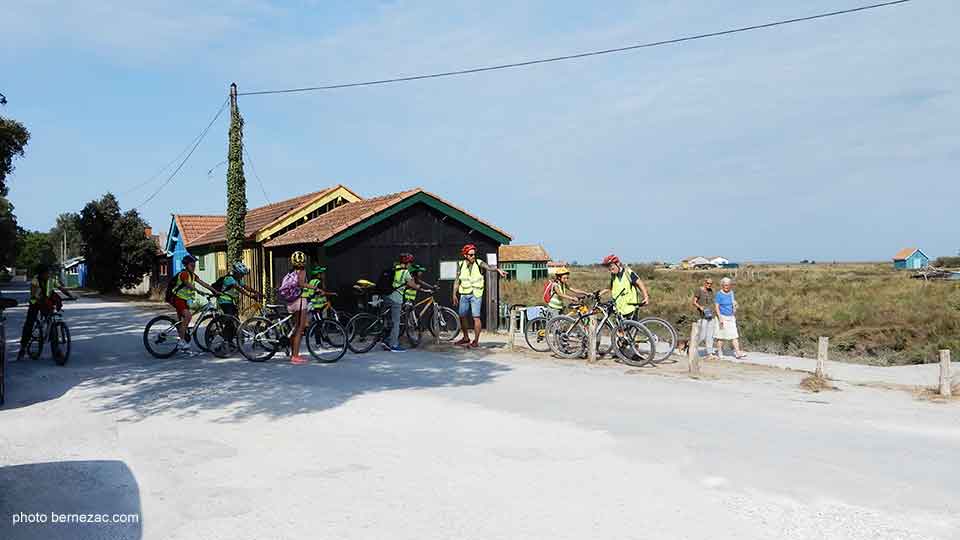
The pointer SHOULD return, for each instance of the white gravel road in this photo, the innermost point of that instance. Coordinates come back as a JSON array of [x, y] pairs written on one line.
[[478, 445]]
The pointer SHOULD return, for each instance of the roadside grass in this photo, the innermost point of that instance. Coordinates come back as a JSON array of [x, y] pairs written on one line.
[[871, 313]]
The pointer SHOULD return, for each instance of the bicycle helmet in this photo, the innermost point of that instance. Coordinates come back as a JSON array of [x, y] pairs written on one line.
[[187, 259], [298, 259], [405, 258], [467, 249], [611, 259], [240, 268], [317, 270], [561, 270]]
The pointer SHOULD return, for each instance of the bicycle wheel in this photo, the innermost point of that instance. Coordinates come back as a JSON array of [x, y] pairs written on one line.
[[412, 329], [327, 341], [605, 335], [445, 324], [535, 333], [35, 345], [364, 331], [160, 337], [257, 339], [220, 336], [636, 345], [60, 342], [200, 330], [665, 335], [567, 337]]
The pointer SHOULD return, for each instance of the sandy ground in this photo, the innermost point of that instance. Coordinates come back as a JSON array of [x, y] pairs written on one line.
[[455, 444]]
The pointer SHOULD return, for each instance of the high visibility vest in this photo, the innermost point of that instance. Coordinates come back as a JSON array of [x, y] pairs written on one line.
[[51, 284], [555, 301], [183, 288], [316, 299], [398, 281], [624, 292], [410, 295], [230, 295], [471, 279]]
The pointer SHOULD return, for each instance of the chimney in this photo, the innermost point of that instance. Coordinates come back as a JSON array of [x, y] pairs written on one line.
[[149, 232]]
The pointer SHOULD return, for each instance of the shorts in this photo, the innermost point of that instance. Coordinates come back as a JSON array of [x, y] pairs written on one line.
[[469, 304], [180, 304], [298, 305]]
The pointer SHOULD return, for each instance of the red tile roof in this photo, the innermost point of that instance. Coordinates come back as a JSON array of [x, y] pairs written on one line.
[[904, 253], [261, 217], [532, 253], [192, 227]]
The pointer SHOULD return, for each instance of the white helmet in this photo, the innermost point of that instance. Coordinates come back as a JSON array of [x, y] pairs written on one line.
[[240, 268]]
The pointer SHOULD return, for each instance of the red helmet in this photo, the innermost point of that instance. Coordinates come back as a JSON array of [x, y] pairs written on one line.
[[405, 258], [467, 248], [611, 259]]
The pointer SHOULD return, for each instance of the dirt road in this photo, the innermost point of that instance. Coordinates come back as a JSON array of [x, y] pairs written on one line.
[[478, 445]]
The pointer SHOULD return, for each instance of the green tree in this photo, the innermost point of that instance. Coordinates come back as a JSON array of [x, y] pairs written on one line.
[[236, 184], [34, 248], [13, 139], [67, 227], [8, 234], [118, 253]]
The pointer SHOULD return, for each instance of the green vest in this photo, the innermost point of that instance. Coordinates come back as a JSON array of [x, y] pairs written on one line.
[[183, 289], [316, 299], [35, 285], [555, 301], [410, 295], [231, 290], [471, 279], [624, 292]]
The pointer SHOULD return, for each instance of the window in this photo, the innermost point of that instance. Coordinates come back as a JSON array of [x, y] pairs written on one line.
[[163, 269], [200, 263], [539, 271], [448, 270], [510, 269]]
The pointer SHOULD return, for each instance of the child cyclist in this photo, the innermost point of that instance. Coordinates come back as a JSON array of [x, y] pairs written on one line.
[[416, 272], [561, 290], [231, 286], [183, 292], [316, 295]]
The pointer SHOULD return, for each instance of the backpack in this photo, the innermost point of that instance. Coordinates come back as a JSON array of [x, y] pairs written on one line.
[[548, 291], [289, 290], [170, 291], [384, 284]]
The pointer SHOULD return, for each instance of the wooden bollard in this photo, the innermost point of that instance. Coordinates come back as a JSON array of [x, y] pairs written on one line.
[[823, 348], [512, 340], [592, 340], [945, 383], [693, 352]]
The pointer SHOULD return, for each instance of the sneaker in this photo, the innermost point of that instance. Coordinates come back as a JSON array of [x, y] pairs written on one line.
[[393, 349], [185, 351], [298, 360]]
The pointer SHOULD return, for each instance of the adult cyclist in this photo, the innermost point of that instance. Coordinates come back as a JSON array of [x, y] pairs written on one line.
[[43, 299], [184, 290], [626, 287]]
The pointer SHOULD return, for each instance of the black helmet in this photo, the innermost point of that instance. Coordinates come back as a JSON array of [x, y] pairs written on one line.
[[187, 259]]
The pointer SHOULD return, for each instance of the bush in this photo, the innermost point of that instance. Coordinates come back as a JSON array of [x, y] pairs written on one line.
[[947, 262]]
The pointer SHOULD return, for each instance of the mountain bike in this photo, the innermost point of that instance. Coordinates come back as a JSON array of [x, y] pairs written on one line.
[[50, 327], [260, 338], [632, 342], [366, 329], [442, 322], [535, 329], [665, 335], [5, 303], [160, 336]]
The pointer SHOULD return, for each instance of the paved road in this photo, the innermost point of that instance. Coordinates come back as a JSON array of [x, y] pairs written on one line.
[[477, 445]]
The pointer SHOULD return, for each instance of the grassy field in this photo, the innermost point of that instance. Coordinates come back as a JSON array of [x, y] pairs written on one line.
[[871, 313]]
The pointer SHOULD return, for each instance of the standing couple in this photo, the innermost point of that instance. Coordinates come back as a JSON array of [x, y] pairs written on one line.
[[718, 317]]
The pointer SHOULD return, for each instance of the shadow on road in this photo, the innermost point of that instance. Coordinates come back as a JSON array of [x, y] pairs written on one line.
[[109, 362], [48, 500]]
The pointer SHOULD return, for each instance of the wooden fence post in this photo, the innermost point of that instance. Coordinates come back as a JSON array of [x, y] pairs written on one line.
[[592, 340], [823, 347], [945, 380], [513, 329], [693, 352]]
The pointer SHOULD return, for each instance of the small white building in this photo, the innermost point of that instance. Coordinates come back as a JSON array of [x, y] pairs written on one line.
[[718, 261]]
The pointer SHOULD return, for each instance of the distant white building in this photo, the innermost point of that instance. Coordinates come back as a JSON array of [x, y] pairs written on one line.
[[719, 261]]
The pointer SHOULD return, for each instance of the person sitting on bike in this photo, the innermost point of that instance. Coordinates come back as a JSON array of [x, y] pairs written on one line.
[[43, 299], [416, 272], [231, 286], [402, 281], [317, 296], [624, 287], [561, 290], [184, 292]]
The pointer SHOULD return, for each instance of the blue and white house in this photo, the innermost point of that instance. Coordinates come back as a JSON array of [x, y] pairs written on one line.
[[910, 259]]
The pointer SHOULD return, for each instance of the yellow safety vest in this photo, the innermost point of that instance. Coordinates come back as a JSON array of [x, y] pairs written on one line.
[[35, 285], [624, 292], [410, 295], [398, 281], [471, 279], [316, 299], [183, 288], [555, 301]]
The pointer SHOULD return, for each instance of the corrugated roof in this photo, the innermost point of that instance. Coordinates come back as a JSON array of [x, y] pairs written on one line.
[[261, 217], [193, 226], [534, 253], [904, 253], [326, 226]]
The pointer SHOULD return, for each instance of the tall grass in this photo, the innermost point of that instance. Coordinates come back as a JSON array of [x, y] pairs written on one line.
[[871, 312]]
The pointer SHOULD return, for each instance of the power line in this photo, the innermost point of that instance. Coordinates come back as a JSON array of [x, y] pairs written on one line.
[[257, 176], [185, 159], [577, 55]]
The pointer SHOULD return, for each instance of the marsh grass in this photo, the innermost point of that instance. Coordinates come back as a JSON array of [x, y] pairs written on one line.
[[871, 313]]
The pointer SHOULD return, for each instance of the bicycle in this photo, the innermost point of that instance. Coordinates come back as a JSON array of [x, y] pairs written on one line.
[[260, 338], [50, 327], [535, 329], [160, 336], [366, 329], [5, 303], [631, 341], [443, 322], [665, 335]]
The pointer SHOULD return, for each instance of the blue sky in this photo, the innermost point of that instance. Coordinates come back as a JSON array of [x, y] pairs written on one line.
[[830, 140]]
